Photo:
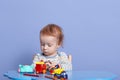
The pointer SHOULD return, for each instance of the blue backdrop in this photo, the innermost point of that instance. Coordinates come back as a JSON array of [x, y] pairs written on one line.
[[91, 28]]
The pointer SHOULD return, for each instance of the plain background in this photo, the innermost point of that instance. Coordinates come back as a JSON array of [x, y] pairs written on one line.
[[91, 28]]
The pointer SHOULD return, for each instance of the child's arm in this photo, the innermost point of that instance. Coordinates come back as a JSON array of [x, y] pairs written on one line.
[[36, 58], [70, 58], [65, 61]]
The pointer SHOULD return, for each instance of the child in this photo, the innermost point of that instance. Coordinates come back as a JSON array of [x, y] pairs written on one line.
[[51, 38]]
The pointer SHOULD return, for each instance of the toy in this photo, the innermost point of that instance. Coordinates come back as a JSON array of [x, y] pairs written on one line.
[[57, 73], [34, 75], [60, 74], [51, 70], [40, 67], [49, 76], [25, 68]]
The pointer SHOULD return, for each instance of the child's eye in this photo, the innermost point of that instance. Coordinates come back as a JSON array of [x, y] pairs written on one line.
[[42, 44], [49, 45]]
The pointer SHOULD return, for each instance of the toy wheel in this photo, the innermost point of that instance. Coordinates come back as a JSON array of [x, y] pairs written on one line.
[[44, 71], [62, 79], [55, 77], [37, 72]]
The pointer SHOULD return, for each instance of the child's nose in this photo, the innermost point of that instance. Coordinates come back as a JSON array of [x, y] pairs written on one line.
[[45, 47]]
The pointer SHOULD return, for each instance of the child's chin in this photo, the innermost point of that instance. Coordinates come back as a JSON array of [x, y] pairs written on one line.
[[46, 54]]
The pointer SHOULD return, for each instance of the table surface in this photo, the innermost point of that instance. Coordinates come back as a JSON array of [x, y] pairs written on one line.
[[72, 75]]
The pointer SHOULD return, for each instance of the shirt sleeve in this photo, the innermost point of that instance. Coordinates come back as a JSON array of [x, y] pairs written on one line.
[[37, 57], [64, 62]]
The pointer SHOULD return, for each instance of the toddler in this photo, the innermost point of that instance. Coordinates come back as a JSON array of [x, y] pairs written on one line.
[[51, 39]]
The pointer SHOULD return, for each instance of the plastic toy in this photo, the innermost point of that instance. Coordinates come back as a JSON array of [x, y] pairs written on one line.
[[57, 73], [60, 74], [34, 75], [51, 70], [49, 77], [40, 67], [25, 68]]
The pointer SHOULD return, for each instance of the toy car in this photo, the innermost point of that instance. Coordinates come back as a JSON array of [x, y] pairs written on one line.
[[60, 74], [25, 68]]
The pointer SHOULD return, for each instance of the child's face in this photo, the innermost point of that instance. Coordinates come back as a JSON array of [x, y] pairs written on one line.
[[49, 45]]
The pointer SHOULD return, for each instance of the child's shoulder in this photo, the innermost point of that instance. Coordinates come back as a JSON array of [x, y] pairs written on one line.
[[62, 54], [39, 54]]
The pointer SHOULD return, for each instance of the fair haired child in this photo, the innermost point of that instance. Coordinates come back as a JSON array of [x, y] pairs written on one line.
[[51, 39]]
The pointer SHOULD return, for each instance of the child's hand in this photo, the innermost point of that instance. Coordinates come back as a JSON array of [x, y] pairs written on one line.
[[54, 65], [48, 63]]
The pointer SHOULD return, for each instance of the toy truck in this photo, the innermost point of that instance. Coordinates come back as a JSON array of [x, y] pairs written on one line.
[[57, 74], [60, 74]]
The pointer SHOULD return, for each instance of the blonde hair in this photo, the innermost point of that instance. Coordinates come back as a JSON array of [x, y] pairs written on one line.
[[53, 30]]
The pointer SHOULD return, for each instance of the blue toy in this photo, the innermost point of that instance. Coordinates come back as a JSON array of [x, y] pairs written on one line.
[[26, 68]]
